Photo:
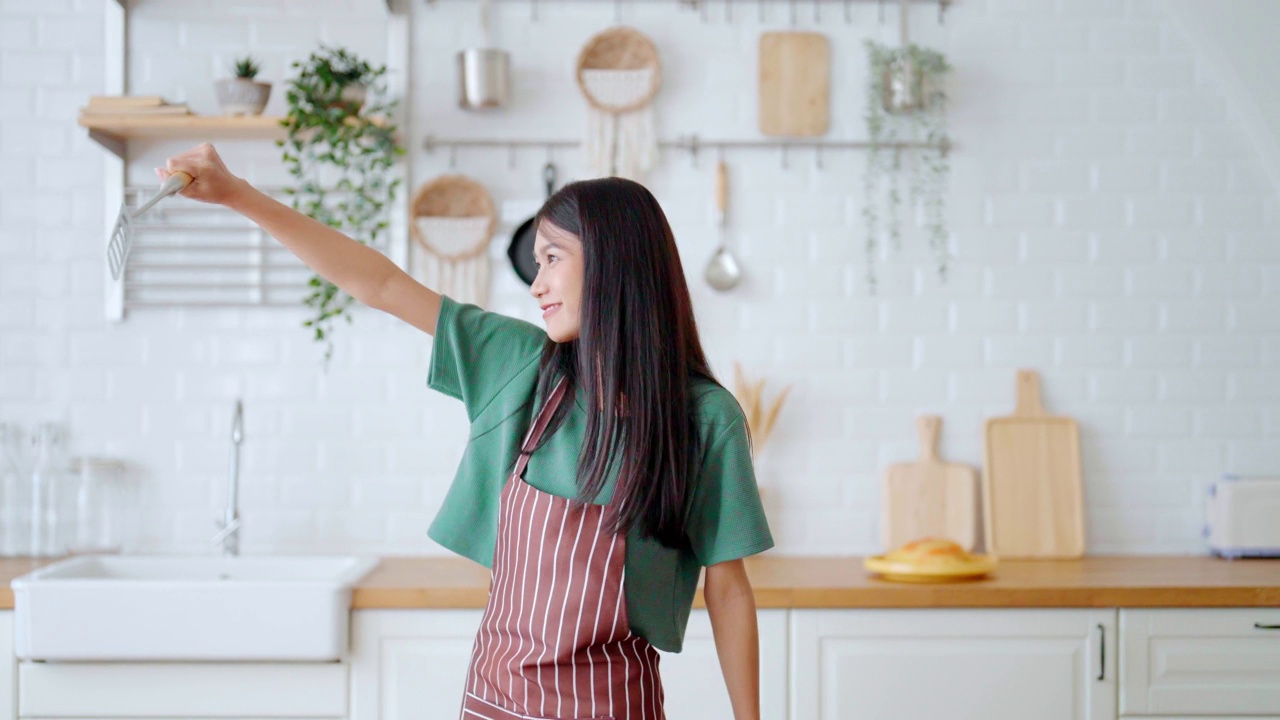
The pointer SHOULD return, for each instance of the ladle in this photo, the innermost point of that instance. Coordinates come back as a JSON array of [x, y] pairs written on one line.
[[723, 272]]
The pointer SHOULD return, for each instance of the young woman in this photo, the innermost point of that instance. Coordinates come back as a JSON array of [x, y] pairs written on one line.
[[605, 466]]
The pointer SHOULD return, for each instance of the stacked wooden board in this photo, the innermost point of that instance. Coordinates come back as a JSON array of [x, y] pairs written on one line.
[[1032, 486]]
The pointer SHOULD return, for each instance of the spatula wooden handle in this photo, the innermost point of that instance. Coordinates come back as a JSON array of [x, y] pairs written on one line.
[[171, 185]]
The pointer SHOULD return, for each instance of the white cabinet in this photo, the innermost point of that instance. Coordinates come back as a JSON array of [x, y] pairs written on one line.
[[8, 673], [410, 664], [1200, 662], [1052, 664], [694, 685], [185, 690]]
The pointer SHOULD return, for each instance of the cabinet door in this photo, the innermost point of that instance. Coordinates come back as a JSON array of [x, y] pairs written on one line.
[[956, 664], [1204, 661], [182, 689], [410, 664], [694, 685], [8, 669]]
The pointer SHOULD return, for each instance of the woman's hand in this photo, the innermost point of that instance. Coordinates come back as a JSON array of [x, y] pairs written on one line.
[[211, 181]]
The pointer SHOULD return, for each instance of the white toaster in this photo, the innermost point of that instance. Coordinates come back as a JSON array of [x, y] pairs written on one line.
[[1242, 517]]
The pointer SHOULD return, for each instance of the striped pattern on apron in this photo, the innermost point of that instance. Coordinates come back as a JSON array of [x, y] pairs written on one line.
[[555, 642]]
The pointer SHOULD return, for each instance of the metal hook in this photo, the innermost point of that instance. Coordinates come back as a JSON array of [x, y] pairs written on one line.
[[791, 7], [817, 156], [453, 157], [786, 164], [693, 151], [817, 11], [942, 11], [848, 12]]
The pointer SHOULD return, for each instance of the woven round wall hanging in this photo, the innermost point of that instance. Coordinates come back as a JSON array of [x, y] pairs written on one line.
[[618, 72], [453, 218]]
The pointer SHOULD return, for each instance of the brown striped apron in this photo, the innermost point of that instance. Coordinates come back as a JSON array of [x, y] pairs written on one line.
[[555, 642]]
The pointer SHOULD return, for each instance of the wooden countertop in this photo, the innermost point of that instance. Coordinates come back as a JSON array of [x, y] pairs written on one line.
[[841, 582], [782, 581]]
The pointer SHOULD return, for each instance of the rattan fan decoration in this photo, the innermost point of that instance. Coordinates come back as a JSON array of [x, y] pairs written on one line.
[[453, 220], [618, 72]]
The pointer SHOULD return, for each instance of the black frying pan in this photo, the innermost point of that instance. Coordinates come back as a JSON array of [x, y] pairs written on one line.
[[521, 249]]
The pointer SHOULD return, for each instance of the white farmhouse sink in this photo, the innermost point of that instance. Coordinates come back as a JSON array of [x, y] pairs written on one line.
[[187, 608]]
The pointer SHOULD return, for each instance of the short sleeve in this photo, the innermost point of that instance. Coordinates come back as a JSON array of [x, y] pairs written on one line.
[[727, 519], [476, 353]]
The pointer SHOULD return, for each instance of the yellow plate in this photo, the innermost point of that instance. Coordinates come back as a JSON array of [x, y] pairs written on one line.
[[907, 572]]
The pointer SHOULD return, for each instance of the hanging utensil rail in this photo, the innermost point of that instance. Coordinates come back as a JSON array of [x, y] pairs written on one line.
[[726, 7], [690, 144]]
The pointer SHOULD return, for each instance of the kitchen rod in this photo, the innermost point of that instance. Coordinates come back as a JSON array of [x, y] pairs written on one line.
[[691, 144], [700, 6]]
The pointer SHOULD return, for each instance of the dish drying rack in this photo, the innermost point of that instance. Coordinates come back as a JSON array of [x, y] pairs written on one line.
[[189, 254]]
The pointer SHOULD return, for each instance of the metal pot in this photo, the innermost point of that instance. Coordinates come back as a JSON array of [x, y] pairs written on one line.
[[904, 87], [482, 78]]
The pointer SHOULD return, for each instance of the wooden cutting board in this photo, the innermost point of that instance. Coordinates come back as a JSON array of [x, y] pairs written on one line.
[[928, 497], [1032, 487], [795, 70]]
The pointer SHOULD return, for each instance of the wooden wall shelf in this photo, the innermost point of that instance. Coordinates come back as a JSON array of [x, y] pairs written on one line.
[[111, 131]]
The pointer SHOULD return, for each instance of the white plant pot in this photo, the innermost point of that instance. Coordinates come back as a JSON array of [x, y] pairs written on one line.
[[239, 96], [352, 97]]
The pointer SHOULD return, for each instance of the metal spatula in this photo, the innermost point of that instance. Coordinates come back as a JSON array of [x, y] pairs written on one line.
[[122, 234]]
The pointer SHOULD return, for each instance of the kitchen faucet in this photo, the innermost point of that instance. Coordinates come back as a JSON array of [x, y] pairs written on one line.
[[229, 530]]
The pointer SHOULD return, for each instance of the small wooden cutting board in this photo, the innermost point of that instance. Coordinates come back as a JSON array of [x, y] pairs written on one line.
[[928, 497], [795, 71], [1032, 487]]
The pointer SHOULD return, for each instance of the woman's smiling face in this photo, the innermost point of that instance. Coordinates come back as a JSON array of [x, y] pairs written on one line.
[[558, 285]]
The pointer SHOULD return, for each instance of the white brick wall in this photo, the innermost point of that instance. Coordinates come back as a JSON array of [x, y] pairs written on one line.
[[1110, 225]]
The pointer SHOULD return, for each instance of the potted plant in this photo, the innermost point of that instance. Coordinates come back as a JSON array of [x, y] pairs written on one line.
[[242, 95], [906, 103], [340, 147]]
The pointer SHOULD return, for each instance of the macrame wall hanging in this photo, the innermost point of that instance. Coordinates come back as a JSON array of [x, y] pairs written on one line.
[[619, 73], [453, 220]]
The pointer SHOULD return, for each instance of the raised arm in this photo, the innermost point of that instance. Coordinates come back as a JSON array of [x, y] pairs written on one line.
[[362, 272]]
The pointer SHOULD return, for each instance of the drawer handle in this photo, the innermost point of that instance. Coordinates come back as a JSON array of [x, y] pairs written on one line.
[[1261, 626], [1102, 653]]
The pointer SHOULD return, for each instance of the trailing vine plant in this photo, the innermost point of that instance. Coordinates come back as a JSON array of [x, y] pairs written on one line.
[[340, 148], [909, 80]]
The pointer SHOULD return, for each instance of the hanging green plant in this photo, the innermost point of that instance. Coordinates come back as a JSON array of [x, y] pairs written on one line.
[[906, 103], [340, 149]]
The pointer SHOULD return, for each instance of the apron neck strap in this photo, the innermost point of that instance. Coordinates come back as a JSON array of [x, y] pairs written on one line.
[[539, 426]]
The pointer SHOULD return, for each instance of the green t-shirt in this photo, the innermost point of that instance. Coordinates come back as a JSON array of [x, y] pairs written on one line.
[[490, 362]]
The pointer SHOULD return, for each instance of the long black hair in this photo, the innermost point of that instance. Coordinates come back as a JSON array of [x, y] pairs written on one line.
[[637, 350]]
